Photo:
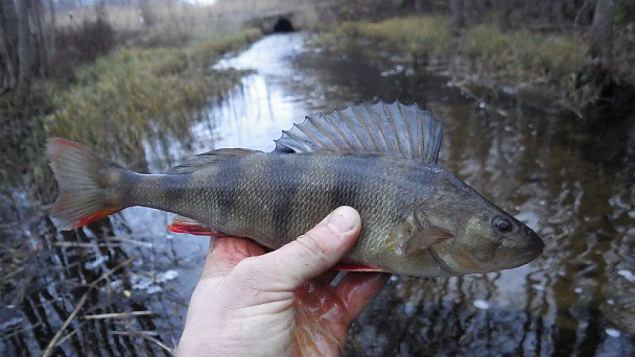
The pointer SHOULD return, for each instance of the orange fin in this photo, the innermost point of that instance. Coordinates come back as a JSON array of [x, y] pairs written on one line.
[[358, 268], [84, 221], [83, 191], [182, 224]]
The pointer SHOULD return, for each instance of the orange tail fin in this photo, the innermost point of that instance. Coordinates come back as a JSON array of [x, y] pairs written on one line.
[[82, 177]]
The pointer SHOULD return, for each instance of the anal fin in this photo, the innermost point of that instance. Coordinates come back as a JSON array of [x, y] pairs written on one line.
[[354, 267], [182, 224]]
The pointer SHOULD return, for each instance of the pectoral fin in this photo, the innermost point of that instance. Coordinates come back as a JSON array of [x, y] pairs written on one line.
[[416, 234]]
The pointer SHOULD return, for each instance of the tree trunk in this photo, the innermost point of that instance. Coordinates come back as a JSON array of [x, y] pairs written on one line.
[[41, 40], [458, 19], [9, 72], [101, 14], [147, 13], [52, 29], [418, 4], [24, 53], [9, 29], [602, 32]]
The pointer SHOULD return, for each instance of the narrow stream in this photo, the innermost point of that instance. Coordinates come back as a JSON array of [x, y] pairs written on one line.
[[570, 181]]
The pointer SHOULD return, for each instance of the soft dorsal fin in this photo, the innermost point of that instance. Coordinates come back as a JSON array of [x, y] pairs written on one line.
[[391, 129], [199, 161]]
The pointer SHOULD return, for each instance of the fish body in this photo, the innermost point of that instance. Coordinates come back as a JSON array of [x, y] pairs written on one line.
[[418, 218]]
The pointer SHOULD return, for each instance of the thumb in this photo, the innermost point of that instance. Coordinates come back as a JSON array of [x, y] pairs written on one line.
[[315, 252]]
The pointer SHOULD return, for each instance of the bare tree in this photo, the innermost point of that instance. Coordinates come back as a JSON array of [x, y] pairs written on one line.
[[458, 17], [24, 53], [147, 13], [8, 74], [41, 48], [52, 29], [602, 32], [8, 44]]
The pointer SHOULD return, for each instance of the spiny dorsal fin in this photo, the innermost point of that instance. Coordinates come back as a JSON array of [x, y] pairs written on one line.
[[391, 129], [199, 161]]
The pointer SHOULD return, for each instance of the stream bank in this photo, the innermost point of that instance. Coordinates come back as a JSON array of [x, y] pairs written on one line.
[[542, 71]]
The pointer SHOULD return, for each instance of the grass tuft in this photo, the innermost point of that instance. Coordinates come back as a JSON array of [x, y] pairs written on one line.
[[518, 55], [124, 96], [522, 54], [429, 34]]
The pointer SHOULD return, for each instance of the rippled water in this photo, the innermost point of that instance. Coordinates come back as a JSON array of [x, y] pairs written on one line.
[[570, 180]]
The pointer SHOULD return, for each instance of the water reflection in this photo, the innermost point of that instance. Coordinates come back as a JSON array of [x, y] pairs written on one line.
[[571, 182]]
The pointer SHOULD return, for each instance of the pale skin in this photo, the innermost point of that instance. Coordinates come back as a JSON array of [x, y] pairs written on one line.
[[282, 303]]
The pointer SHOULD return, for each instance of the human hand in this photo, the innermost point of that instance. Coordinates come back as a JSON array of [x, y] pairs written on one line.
[[248, 303]]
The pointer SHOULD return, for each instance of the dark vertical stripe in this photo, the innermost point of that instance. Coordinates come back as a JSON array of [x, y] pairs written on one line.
[[352, 184], [283, 211], [230, 181]]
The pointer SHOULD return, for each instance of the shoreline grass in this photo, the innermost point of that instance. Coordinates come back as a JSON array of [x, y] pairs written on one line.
[[125, 96], [482, 54]]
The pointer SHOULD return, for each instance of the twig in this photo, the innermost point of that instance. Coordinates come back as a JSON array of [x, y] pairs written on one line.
[[63, 339], [146, 335], [11, 274], [131, 241], [55, 340], [111, 271], [22, 330], [115, 239], [118, 315], [53, 343], [93, 245]]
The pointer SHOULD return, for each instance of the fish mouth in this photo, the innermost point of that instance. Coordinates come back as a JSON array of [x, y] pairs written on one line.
[[524, 258], [529, 251]]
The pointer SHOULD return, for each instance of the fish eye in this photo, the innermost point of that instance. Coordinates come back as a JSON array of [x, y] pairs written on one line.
[[502, 224]]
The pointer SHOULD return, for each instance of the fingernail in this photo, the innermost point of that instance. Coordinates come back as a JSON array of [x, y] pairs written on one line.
[[343, 219]]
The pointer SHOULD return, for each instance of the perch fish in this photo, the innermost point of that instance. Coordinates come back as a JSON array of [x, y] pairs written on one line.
[[418, 218]]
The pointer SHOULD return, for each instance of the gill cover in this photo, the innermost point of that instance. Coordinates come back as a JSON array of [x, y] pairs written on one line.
[[415, 233]]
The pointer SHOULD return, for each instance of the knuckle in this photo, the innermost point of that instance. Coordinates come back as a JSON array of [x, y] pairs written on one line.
[[312, 246]]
